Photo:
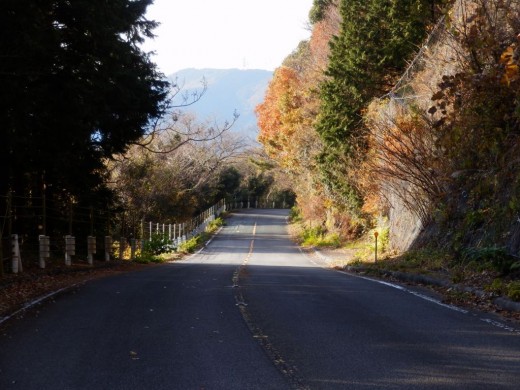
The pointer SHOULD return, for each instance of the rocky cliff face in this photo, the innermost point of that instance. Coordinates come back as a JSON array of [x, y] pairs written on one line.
[[450, 130]]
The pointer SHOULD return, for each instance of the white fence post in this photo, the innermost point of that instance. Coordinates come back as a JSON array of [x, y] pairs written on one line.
[[15, 255], [108, 247], [70, 248], [45, 249], [91, 249]]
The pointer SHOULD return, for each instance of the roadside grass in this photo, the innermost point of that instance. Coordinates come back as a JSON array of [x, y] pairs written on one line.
[[352, 252], [159, 250], [485, 271], [313, 236], [420, 261], [319, 238], [196, 242], [488, 268]]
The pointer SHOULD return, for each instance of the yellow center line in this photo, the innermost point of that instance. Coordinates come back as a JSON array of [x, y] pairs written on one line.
[[251, 246]]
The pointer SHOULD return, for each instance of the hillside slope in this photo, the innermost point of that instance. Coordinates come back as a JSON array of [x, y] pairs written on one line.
[[447, 133]]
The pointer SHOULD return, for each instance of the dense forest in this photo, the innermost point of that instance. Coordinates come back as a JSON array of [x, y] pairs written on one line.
[[402, 117], [77, 90]]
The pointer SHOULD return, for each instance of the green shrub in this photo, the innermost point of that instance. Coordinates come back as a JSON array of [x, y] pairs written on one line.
[[497, 257], [496, 287], [331, 239], [144, 258], [515, 266], [424, 259], [295, 215], [513, 291], [214, 225], [157, 245], [384, 239], [317, 236], [191, 245]]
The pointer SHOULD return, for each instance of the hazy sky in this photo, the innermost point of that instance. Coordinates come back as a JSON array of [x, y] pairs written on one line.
[[245, 34]]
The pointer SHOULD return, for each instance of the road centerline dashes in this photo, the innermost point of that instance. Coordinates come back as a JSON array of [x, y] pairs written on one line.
[[290, 373]]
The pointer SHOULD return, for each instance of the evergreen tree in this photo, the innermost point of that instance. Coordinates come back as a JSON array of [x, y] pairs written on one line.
[[376, 38], [76, 89]]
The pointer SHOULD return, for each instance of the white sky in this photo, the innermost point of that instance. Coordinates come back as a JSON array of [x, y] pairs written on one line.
[[222, 34]]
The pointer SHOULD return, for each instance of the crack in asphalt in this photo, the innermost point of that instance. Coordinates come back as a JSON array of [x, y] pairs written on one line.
[[290, 373]]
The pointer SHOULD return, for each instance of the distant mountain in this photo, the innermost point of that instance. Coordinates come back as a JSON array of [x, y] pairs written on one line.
[[228, 90]]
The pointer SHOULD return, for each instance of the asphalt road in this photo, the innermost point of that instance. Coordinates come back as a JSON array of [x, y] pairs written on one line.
[[252, 312]]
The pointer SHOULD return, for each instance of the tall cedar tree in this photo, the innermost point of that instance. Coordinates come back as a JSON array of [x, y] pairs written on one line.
[[376, 39], [76, 89]]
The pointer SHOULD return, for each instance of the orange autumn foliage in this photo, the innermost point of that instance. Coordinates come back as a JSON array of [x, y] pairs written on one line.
[[280, 114]]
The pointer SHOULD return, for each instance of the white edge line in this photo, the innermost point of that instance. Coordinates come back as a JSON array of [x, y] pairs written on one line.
[[422, 296], [497, 324], [500, 325], [49, 295], [35, 302], [203, 247], [398, 287]]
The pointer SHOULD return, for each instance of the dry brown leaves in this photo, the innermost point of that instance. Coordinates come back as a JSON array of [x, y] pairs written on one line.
[[17, 290]]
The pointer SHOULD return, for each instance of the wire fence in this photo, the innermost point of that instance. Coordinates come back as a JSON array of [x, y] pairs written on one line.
[[84, 235], [402, 89], [402, 175], [438, 56], [180, 232]]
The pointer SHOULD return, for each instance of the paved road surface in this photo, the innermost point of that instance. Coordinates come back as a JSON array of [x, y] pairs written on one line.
[[252, 312]]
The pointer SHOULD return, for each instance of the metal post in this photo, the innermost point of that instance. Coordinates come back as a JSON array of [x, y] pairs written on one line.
[[375, 254]]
